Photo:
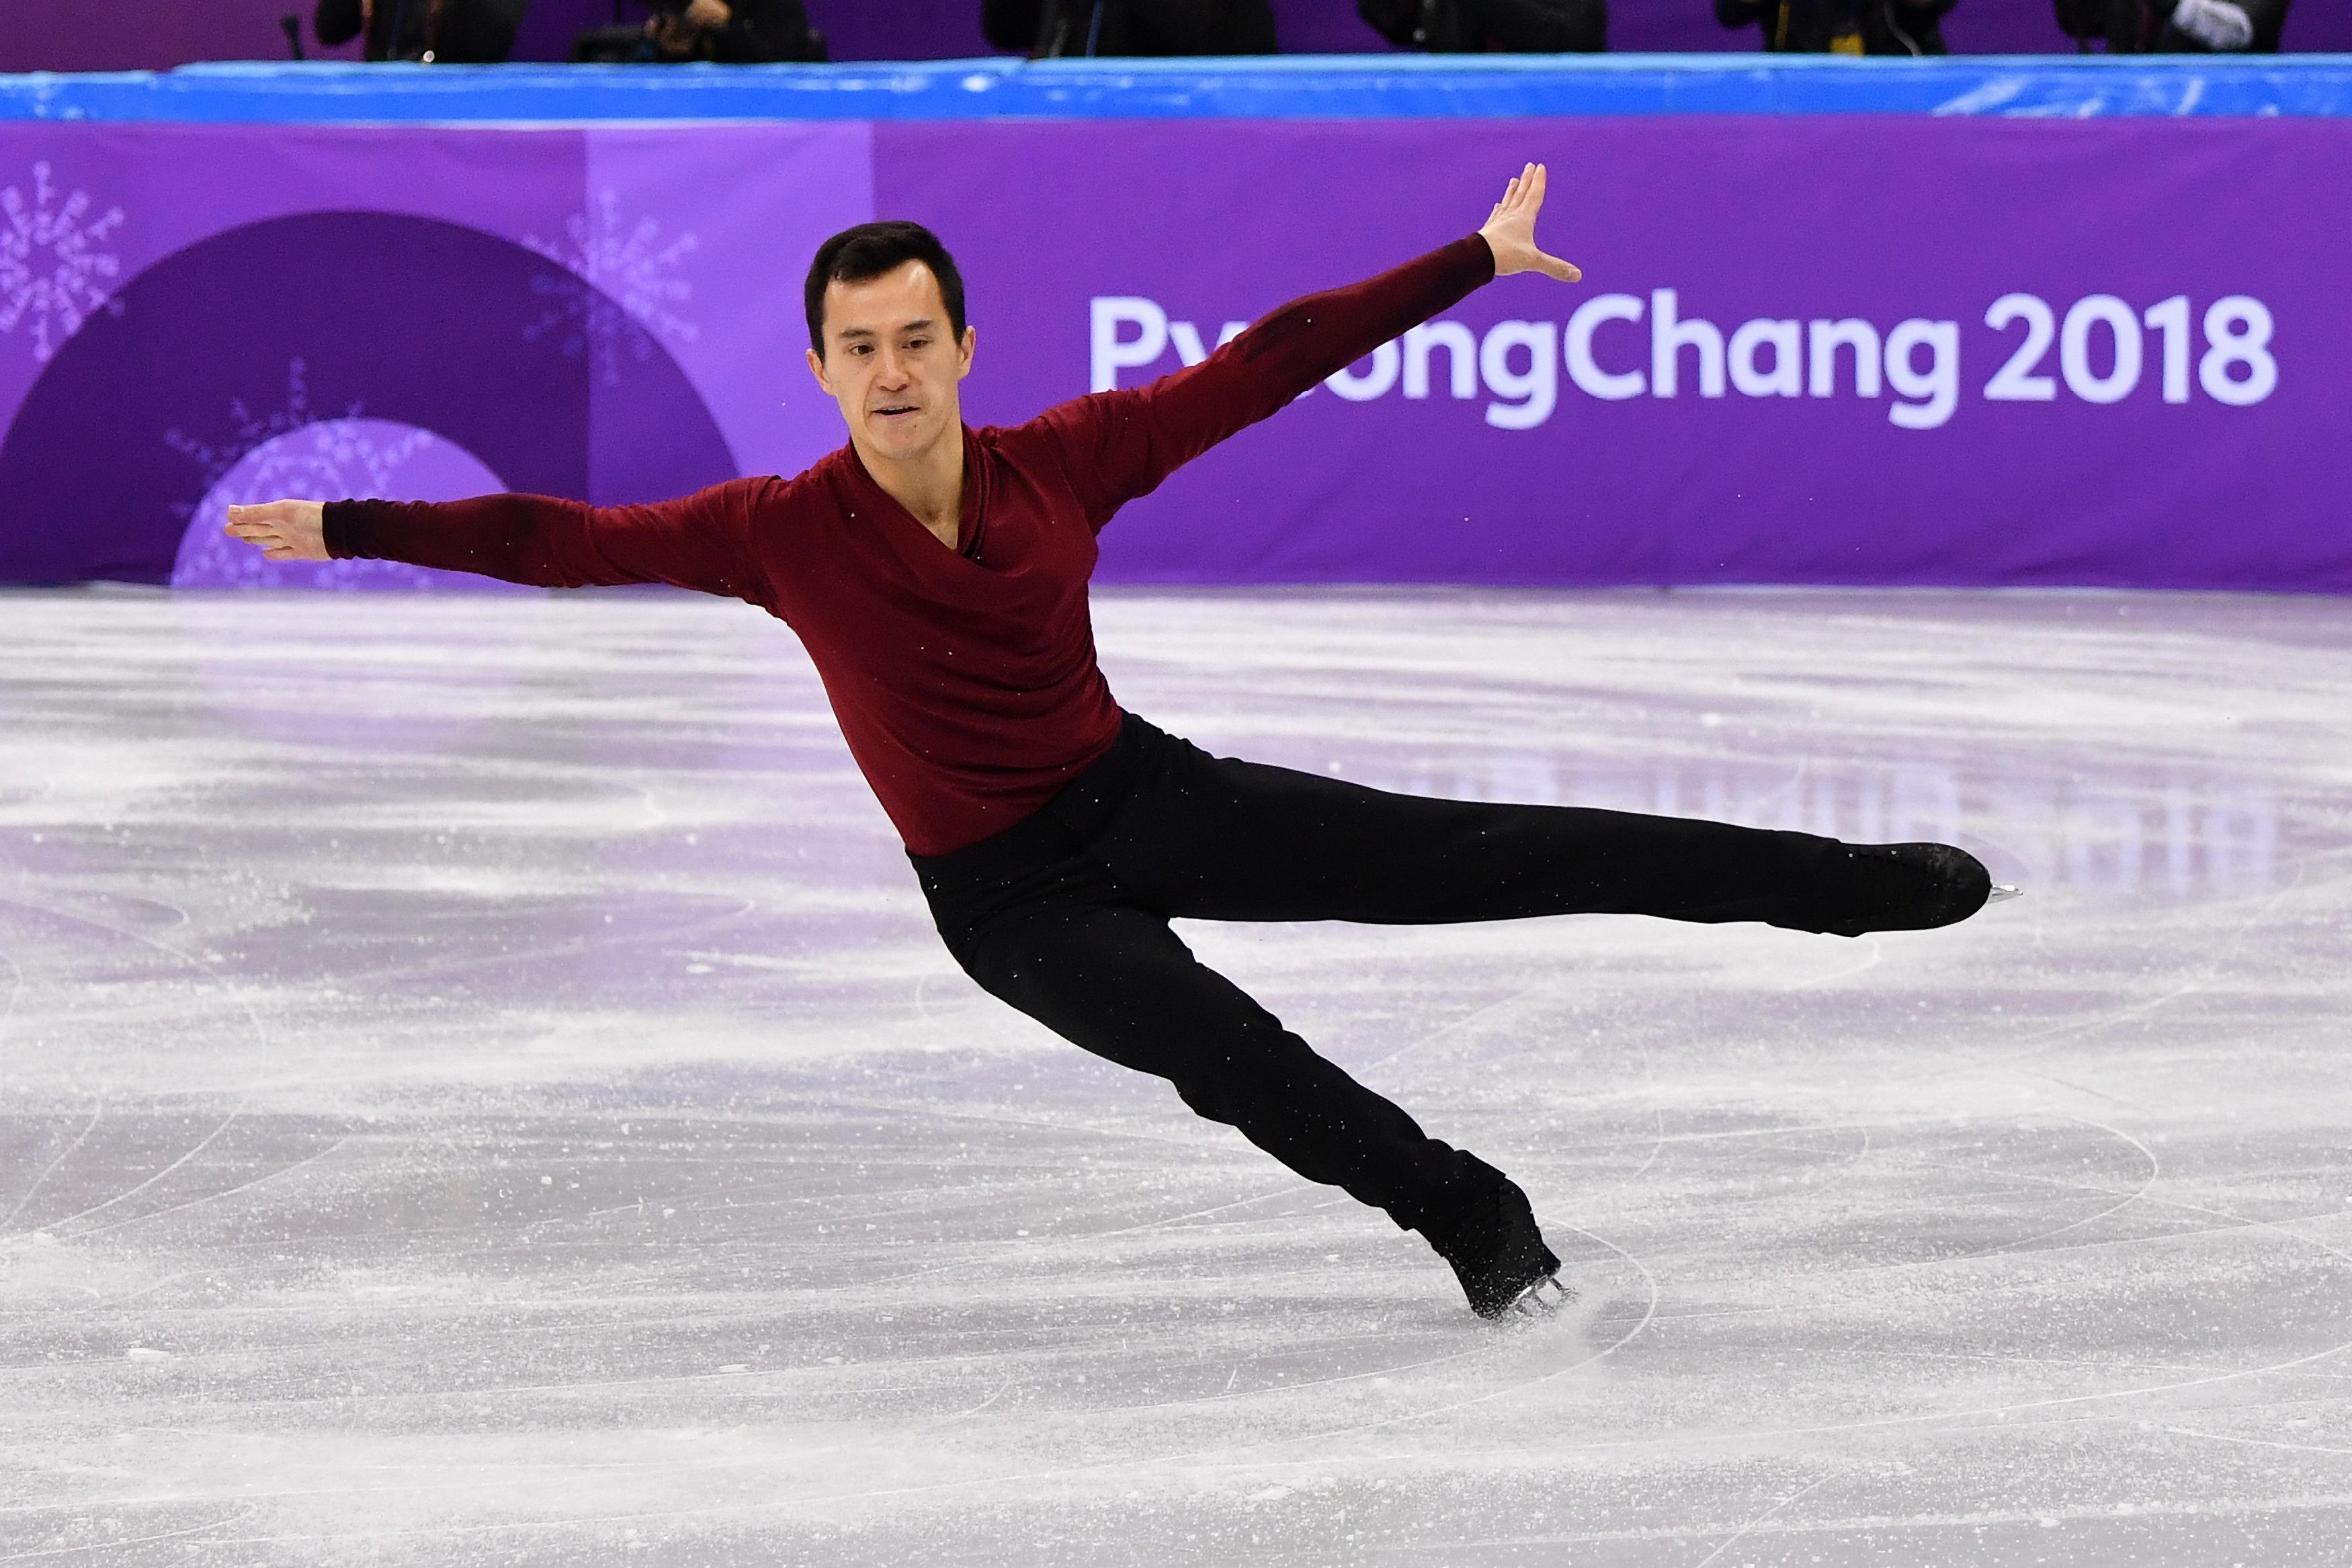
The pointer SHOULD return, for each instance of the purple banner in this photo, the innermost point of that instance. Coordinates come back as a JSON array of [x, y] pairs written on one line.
[[1808, 350], [1820, 350], [195, 316]]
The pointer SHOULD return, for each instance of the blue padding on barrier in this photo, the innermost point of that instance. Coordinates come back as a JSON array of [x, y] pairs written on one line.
[[1298, 87]]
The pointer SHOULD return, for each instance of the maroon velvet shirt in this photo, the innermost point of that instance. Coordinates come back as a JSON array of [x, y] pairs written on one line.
[[964, 679]]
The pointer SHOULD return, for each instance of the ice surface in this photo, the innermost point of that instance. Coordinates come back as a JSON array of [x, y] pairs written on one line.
[[477, 1086]]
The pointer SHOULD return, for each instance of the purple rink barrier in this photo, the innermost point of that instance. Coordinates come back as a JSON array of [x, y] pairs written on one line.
[[1844, 350]]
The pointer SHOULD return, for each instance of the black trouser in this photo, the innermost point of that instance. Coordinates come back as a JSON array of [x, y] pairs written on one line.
[[1065, 915]]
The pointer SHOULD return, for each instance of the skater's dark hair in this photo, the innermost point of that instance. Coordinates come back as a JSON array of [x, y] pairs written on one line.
[[869, 250]]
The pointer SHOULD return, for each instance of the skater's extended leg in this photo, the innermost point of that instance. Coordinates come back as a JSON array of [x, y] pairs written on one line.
[[1114, 979], [1217, 837], [1036, 917]]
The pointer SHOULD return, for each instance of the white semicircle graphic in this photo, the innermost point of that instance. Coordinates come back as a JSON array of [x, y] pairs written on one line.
[[331, 460]]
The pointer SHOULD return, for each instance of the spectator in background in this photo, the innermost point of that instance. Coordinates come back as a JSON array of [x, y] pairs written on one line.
[[1841, 26], [2175, 26], [453, 32], [727, 32], [1054, 29], [732, 32], [1501, 27]]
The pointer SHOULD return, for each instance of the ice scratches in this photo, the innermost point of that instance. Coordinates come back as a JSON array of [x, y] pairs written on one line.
[[1524, 1355], [15, 989], [1733, 1539], [1518, 1004], [273, 1174], [1897, 1155], [111, 1546], [2155, 1169], [705, 924], [211, 1136], [2211, 962], [525, 1235], [2256, 1442], [1546, 1349], [33, 1190], [1510, 1360], [237, 996], [2003, 1411], [1972, 1537]]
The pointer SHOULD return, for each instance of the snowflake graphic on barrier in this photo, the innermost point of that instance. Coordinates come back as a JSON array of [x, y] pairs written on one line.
[[290, 453], [249, 429], [52, 271], [621, 289]]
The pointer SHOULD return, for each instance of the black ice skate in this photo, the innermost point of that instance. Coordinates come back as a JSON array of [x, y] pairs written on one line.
[[1499, 1256], [1908, 887]]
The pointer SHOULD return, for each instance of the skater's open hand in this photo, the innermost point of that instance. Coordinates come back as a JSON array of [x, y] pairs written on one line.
[[1510, 230], [286, 530]]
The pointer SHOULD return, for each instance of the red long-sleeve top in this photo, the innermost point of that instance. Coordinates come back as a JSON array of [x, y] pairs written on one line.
[[964, 680]]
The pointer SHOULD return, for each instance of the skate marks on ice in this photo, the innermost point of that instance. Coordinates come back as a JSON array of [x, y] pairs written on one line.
[[485, 1091], [361, 1317], [2028, 1171], [1047, 1368], [163, 992]]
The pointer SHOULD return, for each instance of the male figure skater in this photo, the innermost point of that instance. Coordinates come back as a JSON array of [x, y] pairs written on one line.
[[937, 577]]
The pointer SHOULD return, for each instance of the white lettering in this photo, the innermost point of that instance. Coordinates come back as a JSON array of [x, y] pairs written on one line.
[[2075, 349], [2171, 318], [1111, 353], [2238, 330], [1769, 357], [1828, 338], [2015, 381], [1461, 358], [1537, 389], [1939, 385], [1582, 368], [1372, 382], [1187, 339], [1669, 336], [1785, 379]]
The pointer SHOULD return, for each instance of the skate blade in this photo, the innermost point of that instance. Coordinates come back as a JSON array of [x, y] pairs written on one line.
[[1546, 1297], [2003, 892]]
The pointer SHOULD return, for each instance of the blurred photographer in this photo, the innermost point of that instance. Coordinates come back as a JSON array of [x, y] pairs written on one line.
[[1495, 26], [1059, 29], [1841, 26], [2175, 26], [453, 32], [730, 32]]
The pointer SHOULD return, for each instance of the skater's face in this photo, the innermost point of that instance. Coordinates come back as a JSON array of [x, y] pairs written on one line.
[[892, 362]]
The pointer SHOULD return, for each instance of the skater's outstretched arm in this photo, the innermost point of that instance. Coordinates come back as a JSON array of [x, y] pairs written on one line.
[[1117, 446], [700, 542]]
